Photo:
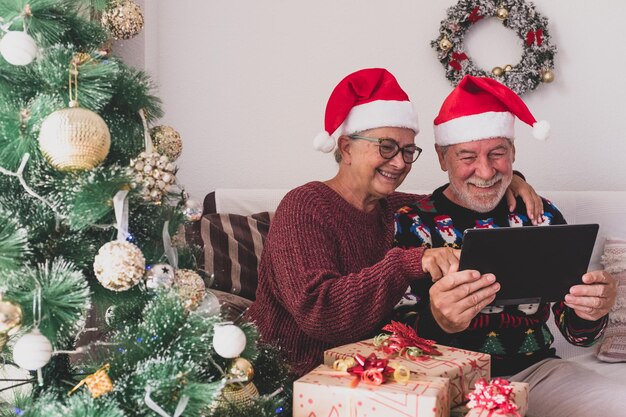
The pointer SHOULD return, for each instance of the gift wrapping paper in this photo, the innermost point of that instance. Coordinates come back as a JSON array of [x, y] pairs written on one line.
[[462, 367], [324, 392], [519, 396]]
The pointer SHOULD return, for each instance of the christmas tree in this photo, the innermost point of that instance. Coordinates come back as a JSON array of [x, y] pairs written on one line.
[[103, 308], [529, 345], [492, 345]]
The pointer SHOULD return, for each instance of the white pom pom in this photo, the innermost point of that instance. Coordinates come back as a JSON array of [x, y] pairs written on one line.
[[541, 130], [228, 340], [18, 48], [323, 142]]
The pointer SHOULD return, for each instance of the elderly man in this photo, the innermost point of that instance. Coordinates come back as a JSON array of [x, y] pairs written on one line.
[[474, 143]]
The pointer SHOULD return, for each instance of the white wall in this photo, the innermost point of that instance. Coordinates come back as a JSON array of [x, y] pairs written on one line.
[[245, 82]]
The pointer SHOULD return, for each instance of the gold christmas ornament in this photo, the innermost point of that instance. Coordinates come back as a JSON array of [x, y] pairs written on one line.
[[507, 67], [240, 394], [497, 71], [124, 20], [167, 141], [547, 76], [191, 288], [502, 13], [119, 265], [98, 383], [10, 320], [445, 44], [154, 173], [74, 139], [241, 368]]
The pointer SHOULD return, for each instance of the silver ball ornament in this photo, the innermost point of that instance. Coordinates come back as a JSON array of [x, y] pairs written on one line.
[[193, 210], [159, 276]]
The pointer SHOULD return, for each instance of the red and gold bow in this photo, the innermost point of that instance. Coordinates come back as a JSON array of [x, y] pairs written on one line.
[[371, 370], [404, 341]]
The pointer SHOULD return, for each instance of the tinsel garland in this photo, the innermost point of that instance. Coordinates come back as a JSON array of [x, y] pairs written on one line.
[[537, 60]]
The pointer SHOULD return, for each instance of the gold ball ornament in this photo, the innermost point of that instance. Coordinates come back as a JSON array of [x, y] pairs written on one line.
[[241, 368], [508, 67], [502, 13], [119, 265], [10, 320], [497, 71], [155, 174], [190, 287], [547, 76], [74, 139], [167, 141], [445, 44], [242, 395], [124, 20]]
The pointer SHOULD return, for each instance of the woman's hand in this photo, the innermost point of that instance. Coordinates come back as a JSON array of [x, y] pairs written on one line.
[[534, 205], [437, 261]]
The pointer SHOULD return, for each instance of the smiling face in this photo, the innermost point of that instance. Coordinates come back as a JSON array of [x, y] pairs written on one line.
[[479, 172], [372, 176]]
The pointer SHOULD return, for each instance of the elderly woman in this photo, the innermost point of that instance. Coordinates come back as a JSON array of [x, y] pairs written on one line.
[[329, 273]]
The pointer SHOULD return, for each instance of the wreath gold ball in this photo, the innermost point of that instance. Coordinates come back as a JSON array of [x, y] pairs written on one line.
[[536, 64]]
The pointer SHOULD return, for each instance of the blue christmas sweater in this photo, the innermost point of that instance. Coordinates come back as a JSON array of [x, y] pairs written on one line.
[[515, 336]]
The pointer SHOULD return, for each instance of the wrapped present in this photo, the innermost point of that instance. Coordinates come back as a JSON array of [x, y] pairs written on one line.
[[498, 398], [325, 392], [462, 367]]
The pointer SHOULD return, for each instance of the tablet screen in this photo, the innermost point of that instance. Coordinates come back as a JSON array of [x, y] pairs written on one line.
[[532, 264]]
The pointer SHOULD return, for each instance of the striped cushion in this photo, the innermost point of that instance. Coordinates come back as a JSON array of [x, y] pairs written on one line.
[[232, 249]]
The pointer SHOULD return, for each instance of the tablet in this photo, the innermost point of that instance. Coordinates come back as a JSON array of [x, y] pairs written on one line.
[[532, 264]]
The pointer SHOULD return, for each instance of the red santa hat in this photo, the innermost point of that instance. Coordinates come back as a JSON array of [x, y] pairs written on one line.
[[366, 99], [481, 108]]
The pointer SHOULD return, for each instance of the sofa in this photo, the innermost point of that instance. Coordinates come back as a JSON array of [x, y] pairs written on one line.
[[235, 222]]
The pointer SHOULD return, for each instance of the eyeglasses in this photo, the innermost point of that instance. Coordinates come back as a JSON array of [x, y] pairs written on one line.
[[389, 148]]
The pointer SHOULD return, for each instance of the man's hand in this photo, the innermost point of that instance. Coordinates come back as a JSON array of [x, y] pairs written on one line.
[[437, 261], [458, 297], [534, 205], [594, 298]]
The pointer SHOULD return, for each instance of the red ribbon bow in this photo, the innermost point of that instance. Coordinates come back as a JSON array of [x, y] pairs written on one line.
[[495, 395], [403, 338], [371, 370], [474, 16], [456, 60], [533, 36]]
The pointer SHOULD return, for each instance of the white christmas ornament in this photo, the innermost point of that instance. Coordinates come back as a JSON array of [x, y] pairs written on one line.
[[193, 210], [228, 340], [18, 48], [32, 351], [8, 391]]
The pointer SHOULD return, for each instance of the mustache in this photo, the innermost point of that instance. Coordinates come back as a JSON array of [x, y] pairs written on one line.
[[479, 182]]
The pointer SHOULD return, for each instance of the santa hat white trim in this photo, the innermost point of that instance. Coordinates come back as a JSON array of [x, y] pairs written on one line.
[[379, 113], [475, 127]]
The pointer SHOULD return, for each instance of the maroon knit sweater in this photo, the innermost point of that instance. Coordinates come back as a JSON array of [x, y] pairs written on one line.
[[329, 274]]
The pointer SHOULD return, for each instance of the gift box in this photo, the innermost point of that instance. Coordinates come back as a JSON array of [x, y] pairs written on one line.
[[325, 392], [462, 367], [519, 396]]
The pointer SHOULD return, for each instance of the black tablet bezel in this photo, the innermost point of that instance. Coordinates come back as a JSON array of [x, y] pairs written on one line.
[[532, 264]]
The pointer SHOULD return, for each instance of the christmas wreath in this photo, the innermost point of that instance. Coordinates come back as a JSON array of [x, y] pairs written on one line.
[[536, 63]]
